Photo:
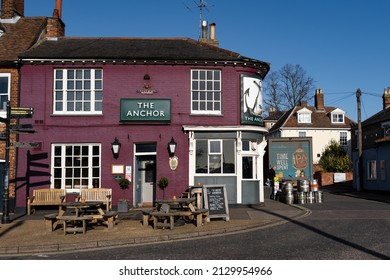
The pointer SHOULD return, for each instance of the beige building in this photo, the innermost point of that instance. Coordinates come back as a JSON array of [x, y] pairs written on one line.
[[320, 122]]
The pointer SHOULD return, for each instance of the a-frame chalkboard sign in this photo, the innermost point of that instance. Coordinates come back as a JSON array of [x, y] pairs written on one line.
[[215, 200]]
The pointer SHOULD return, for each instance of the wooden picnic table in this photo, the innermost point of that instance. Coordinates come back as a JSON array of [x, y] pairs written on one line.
[[169, 210], [81, 207], [180, 203], [83, 212]]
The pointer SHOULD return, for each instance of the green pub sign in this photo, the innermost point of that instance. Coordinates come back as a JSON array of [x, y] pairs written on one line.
[[140, 110]]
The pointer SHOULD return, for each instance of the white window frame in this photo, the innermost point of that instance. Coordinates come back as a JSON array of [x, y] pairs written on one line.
[[343, 138], [254, 167], [3, 107], [338, 118], [301, 133], [61, 93], [73, 188], [219, 153], [304, 117], [206, 92]]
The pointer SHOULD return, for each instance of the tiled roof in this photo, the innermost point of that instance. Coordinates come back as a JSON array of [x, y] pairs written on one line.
[[153, 50], [381, 116], [274, 116], [319, 119], [19, 37]]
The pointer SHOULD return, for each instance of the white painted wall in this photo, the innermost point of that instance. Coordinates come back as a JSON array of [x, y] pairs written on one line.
[[320, 138]]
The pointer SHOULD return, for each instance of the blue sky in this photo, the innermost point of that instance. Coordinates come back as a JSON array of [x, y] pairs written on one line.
[[342, 44]]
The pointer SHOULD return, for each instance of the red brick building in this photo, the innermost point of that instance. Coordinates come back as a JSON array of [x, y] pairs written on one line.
[[17, 34]]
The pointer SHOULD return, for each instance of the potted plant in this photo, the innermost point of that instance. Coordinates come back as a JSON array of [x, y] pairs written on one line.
[[123, 204], [163, 183]]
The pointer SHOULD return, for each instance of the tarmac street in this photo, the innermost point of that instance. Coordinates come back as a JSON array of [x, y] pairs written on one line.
[[28, 234]]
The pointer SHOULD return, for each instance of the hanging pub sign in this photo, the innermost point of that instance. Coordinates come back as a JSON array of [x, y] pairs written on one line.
[[140, 110], [251, 100]]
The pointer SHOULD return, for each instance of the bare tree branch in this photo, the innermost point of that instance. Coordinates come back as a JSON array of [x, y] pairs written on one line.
[[287, 87]]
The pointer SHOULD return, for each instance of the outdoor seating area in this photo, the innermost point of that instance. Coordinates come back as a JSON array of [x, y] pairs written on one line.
[[77, 216], [97, 195], [87, 212], [45, 197], [169, 213]]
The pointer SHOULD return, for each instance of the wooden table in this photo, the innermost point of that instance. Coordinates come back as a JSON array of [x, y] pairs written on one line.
[[80, 207], [79, 220], [171, 209], [178, 203]]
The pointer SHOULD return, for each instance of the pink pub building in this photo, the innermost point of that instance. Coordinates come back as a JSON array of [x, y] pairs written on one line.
[[112, 108]]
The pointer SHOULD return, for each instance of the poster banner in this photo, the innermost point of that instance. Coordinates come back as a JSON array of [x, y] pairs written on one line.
[[251, 100]]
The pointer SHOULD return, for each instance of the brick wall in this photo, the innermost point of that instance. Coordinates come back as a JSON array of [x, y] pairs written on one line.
[[12, 152], [326, 178], [10, 8]]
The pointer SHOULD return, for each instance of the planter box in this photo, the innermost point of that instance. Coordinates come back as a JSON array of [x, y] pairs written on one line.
[[123, 206]]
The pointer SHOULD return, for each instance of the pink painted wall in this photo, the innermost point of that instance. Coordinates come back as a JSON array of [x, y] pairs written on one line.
[[122, 81]]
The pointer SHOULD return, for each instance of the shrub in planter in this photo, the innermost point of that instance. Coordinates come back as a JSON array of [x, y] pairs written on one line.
[[163, 183], [123, 204]]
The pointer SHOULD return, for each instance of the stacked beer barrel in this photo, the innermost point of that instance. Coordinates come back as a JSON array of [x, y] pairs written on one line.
[[307, 192], [288, 193]]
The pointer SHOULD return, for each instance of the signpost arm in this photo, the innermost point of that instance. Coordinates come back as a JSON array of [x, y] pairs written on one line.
[[5, 218]]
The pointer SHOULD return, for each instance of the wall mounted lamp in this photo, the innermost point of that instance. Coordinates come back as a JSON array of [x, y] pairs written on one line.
[[172, 147], [146, 77], [115, 148]]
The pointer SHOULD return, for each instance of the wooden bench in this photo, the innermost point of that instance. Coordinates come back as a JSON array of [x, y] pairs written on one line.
[[51, 221], [146, 217], [163, 217], [45, 197], [110, 218], [97, 194], [74, 224], [200, 216]]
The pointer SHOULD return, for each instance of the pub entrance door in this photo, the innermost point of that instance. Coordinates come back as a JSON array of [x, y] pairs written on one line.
[[145, 175]]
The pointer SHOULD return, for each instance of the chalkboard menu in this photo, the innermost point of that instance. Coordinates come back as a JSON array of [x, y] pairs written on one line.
[[215, 200]]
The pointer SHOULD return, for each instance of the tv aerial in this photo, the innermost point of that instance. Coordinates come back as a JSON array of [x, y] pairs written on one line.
[[201, 5]]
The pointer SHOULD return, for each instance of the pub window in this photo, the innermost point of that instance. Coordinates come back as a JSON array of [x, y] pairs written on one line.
[[215, 156], [5, 88], [78, 91], [249, 167], [206, 92], [76, 166]]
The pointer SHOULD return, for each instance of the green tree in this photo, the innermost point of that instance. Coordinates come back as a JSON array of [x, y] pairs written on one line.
[[334, 158]]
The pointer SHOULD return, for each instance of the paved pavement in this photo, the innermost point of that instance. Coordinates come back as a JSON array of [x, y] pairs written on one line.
[[28, 234]]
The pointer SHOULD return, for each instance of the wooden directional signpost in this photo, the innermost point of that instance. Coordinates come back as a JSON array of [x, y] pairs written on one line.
[[13, 113]]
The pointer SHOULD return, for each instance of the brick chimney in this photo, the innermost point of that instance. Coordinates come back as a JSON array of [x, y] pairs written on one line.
[[12, 8], [205, 38], [386, 98], [319, 100], [212, 40], [303, 103], [55, 26]]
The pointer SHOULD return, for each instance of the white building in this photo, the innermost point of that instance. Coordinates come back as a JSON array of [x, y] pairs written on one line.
[[319, 122]]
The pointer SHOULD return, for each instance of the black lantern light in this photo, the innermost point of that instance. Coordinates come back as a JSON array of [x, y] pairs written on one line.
[[115, 147], [172, 146]]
